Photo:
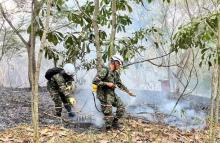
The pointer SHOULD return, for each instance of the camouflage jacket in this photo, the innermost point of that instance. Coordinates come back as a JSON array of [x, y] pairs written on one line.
[[106, 75], [62, 84]]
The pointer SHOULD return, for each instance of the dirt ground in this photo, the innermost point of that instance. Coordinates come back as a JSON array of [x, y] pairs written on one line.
[[15, 125]]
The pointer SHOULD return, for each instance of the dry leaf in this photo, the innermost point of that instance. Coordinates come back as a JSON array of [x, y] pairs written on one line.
[[103, 141]]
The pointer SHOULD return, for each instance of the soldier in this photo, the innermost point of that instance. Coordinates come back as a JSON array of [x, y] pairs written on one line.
[[106, 82], [60, 85]]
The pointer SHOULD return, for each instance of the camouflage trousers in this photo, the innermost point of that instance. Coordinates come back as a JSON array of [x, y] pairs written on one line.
[[58, 99], [107, 102]]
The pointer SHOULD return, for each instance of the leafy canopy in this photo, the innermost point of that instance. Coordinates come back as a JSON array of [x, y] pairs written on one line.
[[200, 33]]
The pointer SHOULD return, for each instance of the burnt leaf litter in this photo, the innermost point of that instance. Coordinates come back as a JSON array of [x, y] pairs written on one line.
[[15, 125]]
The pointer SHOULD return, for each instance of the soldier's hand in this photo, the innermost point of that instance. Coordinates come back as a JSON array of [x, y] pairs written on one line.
[[131, 94], [110, 84]]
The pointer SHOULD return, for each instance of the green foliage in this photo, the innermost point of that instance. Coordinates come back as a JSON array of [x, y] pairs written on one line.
[[77, 43], [54, 37], [51, 54], [76, 46], [123, 5], [200, 33], [130, 46], [149, 1], [122, 22]]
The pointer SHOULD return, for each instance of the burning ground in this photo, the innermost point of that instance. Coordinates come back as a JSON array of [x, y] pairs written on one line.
[[148, 119]]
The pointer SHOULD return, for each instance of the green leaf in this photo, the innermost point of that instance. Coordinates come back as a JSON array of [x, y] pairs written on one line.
[[60, 2], [129, 8], [52, 37], [203, 50], [200, 64]]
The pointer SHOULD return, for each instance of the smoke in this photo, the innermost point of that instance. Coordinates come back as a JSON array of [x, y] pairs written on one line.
[[86, 106], [157, 107], [154, 106]]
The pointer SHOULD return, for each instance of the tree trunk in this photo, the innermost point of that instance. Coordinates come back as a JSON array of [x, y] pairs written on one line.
[[212, 104], [29, 65], [216, 105], [113, 31], [36, 71], [32, 66], [97, 42], [218, 95], [215, 94]]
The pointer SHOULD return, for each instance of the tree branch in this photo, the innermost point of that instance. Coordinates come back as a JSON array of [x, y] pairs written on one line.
[[147, 60], [12, 26], [77, 3]]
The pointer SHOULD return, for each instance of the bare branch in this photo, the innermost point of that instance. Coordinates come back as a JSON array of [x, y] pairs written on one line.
[[43, 41], [147, 60], [12, 26], [187, 7]]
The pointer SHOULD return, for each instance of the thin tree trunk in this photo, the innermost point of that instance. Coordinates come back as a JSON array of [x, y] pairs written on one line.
[[36, 6], [216, 106], [96, 31], [113, 31], [29, 66], [36, 73], [43, 41], [34, 105], [218, 95], [212, 104], [215, 96]]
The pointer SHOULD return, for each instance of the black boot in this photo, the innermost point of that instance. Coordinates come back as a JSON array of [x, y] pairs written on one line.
[[58, 114], [69, 110], [116, 125], [108, 128]]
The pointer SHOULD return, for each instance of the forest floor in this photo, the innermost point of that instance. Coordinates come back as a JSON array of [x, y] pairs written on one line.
[[134, 131], [15, 125]]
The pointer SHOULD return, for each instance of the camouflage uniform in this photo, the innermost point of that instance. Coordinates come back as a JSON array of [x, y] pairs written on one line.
[[60, 87], [107, 95]]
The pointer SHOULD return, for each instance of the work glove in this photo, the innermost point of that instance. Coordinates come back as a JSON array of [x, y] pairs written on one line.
[[131, 94], [71, 101]]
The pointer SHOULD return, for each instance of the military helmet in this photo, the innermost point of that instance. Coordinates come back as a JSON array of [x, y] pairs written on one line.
[[69, 69], [118, 58]]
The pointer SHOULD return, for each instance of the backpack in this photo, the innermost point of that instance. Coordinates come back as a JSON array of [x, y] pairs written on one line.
[[51, 72]]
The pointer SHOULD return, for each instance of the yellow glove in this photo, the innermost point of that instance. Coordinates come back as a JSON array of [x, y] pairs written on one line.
[[71, 101], [94, 88]]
